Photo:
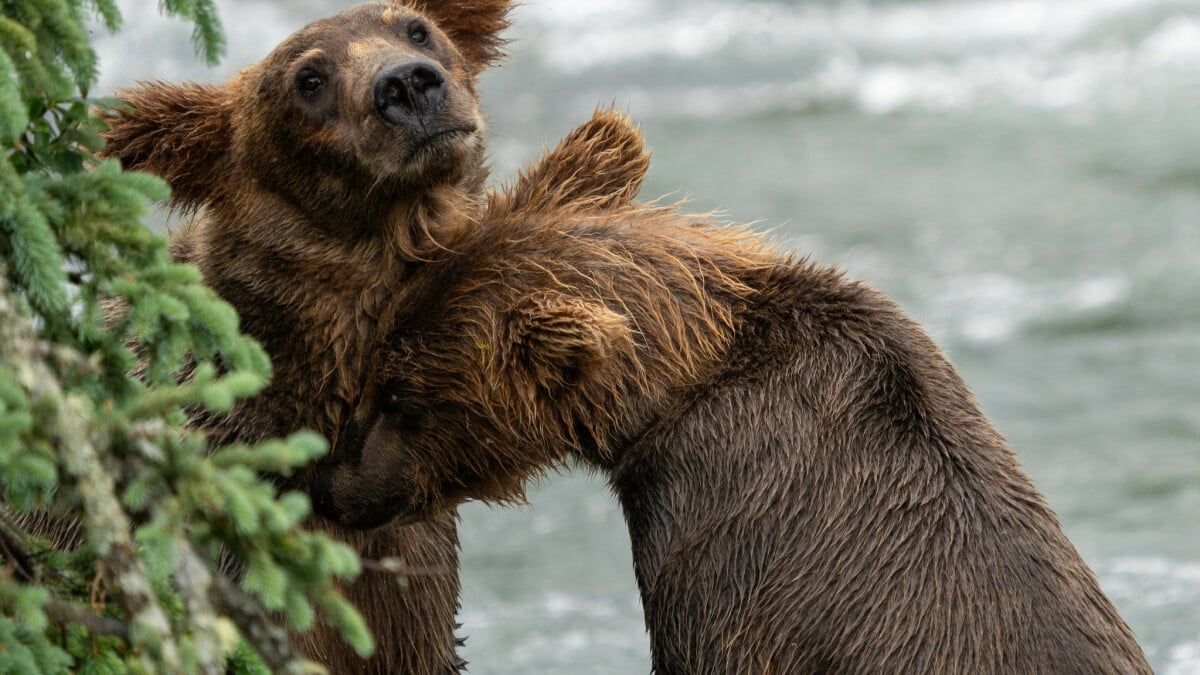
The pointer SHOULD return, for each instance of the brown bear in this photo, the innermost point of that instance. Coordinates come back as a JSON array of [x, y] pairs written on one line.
[[321, 176], [809, 485], [319, 173]]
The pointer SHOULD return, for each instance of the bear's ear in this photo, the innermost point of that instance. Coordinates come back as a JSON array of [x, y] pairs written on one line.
[[598, 166], [558, 341], [473, 25], [181, 133]]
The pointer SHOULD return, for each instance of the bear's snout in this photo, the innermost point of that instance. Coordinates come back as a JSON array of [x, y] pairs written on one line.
[[360, 499], [321, 495], [408, 91]]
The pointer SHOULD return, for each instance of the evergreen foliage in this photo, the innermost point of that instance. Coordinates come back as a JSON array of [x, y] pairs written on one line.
[[115, 516]]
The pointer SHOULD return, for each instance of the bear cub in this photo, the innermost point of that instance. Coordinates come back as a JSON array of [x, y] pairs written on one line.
[[809, 485]]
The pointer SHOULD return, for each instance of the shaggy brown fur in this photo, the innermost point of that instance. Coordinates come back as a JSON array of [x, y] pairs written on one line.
[[809, 485], [314, 199]]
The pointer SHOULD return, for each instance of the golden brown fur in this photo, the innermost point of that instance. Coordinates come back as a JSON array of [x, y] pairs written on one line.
[[809, 485]]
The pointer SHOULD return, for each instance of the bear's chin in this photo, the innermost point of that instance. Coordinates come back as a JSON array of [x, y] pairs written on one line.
[[455, 141], [374, 518], [338, 497], [426, 160]]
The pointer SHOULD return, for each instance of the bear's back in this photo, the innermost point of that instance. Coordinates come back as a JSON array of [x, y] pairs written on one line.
[[833, 500]]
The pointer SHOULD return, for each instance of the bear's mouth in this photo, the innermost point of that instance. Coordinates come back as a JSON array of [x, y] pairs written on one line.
[[391, 515], [423, 140], [338, 493]]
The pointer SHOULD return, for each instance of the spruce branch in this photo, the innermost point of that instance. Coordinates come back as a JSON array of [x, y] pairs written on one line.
[[65, 612], [193, 581], [115, 502], [268, 638], [105, 520]]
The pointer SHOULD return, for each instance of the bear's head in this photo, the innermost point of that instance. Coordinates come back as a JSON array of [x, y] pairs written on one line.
[[345, 119], [469, 402]]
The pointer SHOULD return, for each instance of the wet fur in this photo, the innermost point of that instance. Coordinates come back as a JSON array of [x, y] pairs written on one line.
[[809, 485]]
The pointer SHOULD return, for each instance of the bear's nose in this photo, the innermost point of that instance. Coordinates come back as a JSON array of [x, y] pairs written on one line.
[[407, 88]]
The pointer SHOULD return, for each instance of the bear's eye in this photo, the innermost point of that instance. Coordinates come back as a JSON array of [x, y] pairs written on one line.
[[418, 34], [404, 416], [309, 83]]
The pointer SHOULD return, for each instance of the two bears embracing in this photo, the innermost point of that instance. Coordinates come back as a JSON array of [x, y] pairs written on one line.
[[808, 484]]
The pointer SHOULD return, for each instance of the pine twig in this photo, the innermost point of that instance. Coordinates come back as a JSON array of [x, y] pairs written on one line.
[[64, 612], [15, 553], [269, 640]]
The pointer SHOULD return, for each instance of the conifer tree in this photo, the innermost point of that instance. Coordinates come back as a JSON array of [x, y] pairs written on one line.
[[142, 510]]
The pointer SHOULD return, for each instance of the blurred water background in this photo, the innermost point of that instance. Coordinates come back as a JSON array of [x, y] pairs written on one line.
[[1022, 175]]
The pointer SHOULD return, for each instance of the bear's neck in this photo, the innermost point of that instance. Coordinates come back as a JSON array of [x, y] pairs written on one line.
[[310, 293]]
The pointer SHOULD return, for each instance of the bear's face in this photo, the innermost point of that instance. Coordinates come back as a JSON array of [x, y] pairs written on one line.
[[377, 98], [471, 403], [345, 120]]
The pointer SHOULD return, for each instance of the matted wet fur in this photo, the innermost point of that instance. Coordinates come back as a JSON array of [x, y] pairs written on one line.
[[809, 485], [314, 200]]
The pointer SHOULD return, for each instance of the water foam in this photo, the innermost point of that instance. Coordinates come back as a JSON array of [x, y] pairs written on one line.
[[985, 308], [1151, 582], [1184, 659], [879, 60], [1155, 582]]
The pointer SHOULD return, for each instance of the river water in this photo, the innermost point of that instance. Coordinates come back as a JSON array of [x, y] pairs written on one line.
[[1022, 175]]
